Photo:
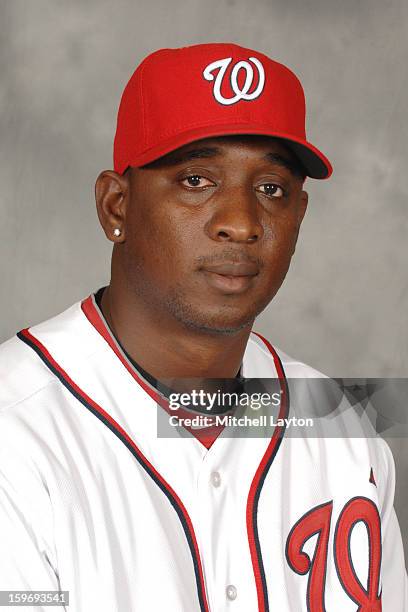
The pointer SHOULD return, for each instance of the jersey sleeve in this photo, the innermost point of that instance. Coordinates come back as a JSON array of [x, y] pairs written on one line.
[[27, 554], [393, 573]]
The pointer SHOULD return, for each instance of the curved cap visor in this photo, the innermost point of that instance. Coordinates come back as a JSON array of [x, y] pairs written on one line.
[[314, 162]]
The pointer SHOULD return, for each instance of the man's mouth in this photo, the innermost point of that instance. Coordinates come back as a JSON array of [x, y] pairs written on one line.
[[231, 277]]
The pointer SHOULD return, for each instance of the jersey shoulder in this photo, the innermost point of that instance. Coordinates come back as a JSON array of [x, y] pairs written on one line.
[[22, 373], [343, 428], [261, 353]]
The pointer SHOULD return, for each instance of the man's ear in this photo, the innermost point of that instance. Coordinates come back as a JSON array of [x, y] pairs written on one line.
[[112, 195]]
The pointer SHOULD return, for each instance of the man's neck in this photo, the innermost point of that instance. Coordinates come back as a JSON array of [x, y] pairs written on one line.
[[167, 349]]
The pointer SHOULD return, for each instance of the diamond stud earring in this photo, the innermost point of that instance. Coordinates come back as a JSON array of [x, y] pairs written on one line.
[[117, 232]]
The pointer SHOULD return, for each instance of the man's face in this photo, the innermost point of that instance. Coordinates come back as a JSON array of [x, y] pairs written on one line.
[[211, 229]]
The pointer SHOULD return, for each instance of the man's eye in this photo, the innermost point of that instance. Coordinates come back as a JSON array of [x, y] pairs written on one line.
[[195, 180], [270, 189]]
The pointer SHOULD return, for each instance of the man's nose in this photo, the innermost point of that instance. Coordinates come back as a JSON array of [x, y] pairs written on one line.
[[235, 217]]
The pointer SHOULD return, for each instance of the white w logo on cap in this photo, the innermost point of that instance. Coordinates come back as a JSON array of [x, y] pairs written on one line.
[[240, 93]]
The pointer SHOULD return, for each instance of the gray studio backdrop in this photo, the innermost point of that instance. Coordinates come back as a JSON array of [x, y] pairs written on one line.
[[63, 66]]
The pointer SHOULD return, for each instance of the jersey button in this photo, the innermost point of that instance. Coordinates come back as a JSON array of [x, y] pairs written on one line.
[[215, 479], [231, 592]]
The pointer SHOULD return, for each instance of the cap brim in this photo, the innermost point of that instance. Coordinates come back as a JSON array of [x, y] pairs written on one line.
[[316, 164]]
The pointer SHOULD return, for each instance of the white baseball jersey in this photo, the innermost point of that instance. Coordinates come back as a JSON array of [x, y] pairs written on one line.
[[94, 502]]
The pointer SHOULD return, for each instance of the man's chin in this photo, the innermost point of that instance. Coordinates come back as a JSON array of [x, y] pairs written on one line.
[[216, 324], [212, 319], [217, 329]]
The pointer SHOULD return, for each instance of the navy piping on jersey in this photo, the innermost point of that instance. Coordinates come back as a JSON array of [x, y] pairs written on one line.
[[24, 336], [264, 605]]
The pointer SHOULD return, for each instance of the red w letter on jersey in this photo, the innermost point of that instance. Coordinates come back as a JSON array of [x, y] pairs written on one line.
[[356, 510], [316, 521]]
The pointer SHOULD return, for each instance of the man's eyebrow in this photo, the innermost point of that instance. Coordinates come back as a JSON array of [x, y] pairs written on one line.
[[174, 158], [280, 160]]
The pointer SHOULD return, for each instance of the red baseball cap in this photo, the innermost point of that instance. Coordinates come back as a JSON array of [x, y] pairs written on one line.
[[177, 96]]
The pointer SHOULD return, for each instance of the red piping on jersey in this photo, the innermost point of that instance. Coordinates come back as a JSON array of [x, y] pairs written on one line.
[[257, 482], [207, 436], [41, 350]]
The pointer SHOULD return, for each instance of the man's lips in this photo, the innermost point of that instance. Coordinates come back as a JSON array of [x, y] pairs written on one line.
[[231, 277], [233, 269]]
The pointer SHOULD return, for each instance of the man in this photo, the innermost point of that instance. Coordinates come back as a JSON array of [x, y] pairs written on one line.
[[204, 208]]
